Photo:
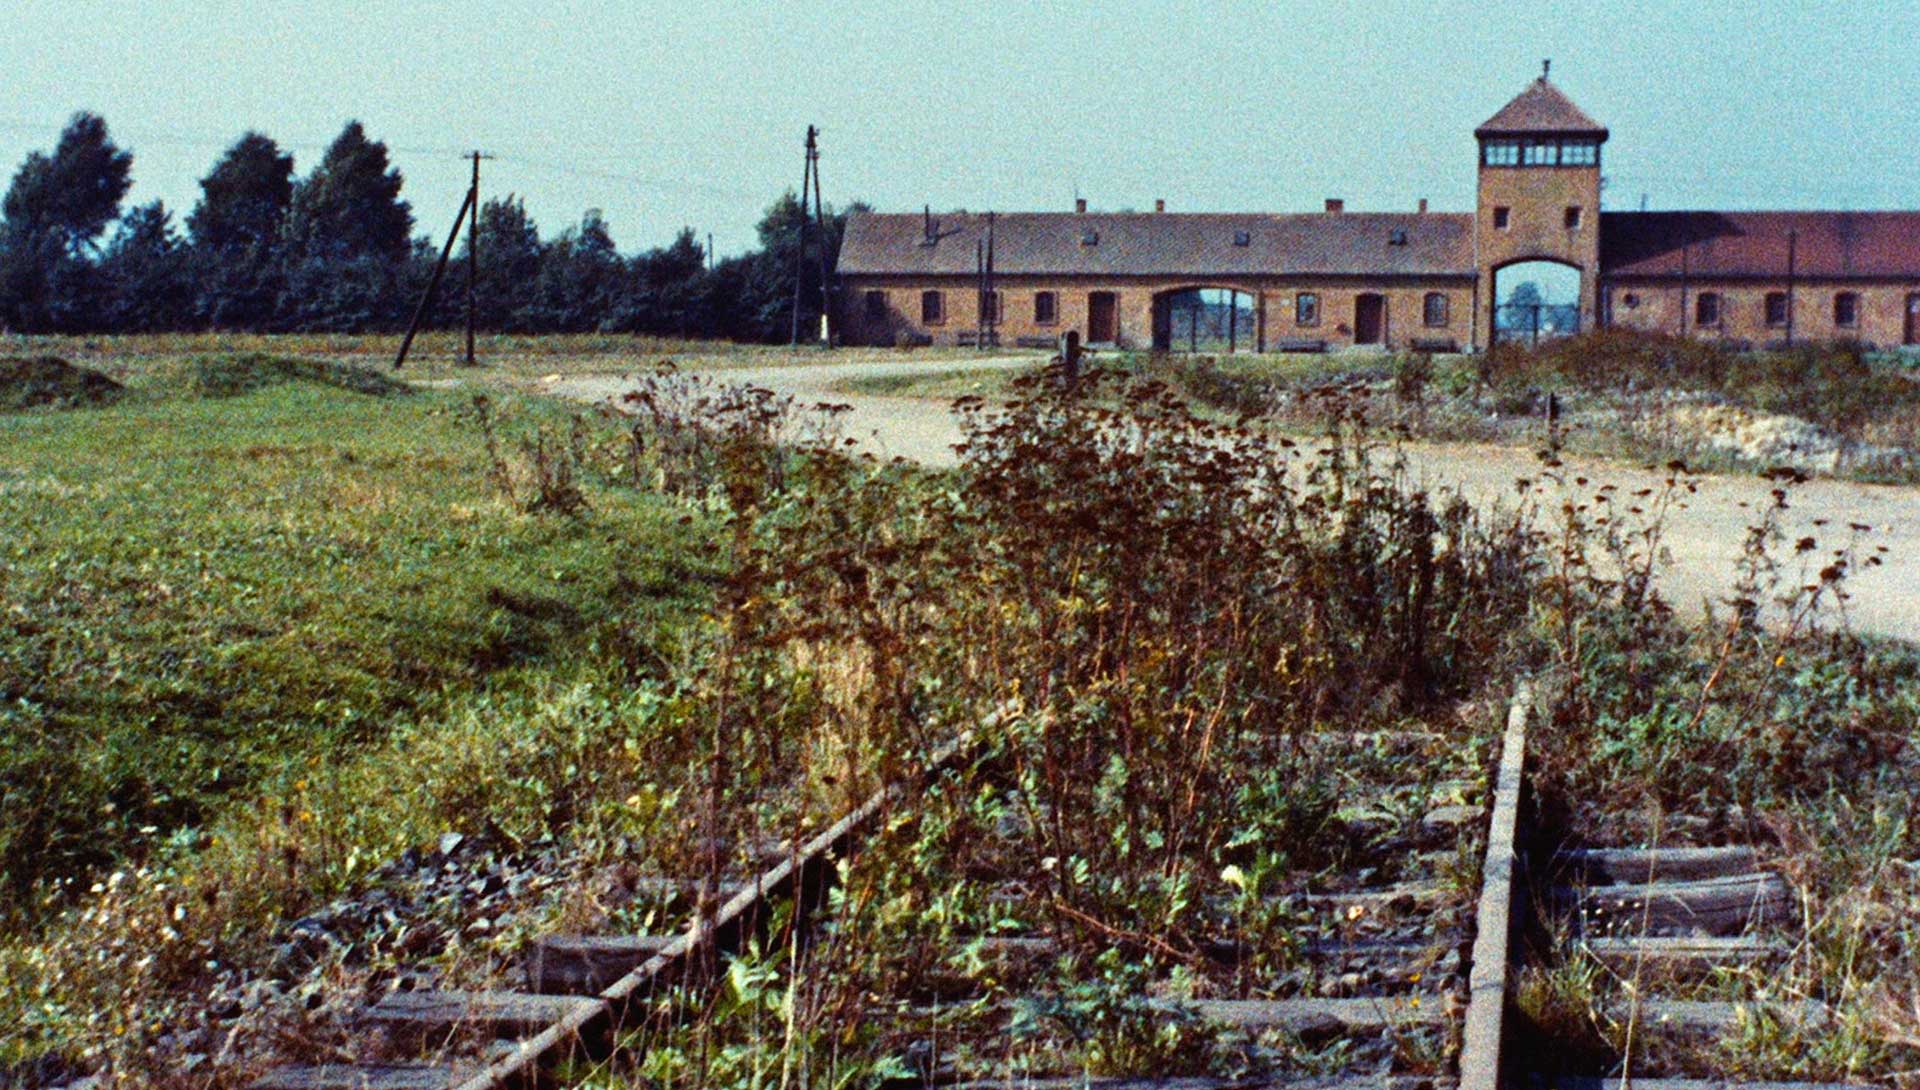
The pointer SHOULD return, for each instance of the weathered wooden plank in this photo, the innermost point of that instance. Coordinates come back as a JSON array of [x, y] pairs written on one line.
[[1570, 1083], [1482, 1036], [1295, 1082], [435, 1016], [1706, 1018], [363, 1077], [1641, 865], [1711, 906], [1682, 953], [586, 964], [1325, 1019]]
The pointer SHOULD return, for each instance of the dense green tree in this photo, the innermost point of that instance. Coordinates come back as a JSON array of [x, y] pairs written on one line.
[[666, 291], [580, 279], [74, 193], [236, 230], [510, 251], [244, 199], [54, 212], [350, 206], [145, 277]]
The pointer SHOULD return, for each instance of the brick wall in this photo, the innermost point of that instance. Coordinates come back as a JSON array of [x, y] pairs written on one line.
[[1405, 301], [1655, 306]]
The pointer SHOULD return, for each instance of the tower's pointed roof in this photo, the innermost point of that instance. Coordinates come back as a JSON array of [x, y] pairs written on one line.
[[1541, 108]]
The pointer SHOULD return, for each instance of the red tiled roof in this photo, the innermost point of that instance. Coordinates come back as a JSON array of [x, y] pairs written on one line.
[[1541, 108], [1199, 245], [1838, 245]]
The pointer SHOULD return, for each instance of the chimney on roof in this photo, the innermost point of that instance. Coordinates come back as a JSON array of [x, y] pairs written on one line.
[[1423, 206], [1159, 205], [1336, 205], [1080, 205]]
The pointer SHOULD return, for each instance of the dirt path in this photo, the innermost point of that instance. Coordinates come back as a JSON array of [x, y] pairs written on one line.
[[1704, 537]]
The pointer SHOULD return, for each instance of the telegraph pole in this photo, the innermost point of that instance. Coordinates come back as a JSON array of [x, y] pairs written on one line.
[[473, 248], [810, 188]]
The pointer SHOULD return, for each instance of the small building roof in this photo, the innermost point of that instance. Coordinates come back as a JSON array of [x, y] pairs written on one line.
[[1834, 245], [1541, 109], [1197, 245]]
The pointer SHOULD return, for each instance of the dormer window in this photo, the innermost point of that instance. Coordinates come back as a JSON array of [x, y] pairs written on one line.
[[1243, 238], [1090, 237], [1397, 237]]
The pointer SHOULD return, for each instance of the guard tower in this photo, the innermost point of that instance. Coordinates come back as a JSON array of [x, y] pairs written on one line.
[[1539, 195]]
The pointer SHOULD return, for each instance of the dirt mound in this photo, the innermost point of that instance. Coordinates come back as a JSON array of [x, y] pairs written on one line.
[[231, 375], [45, 382]]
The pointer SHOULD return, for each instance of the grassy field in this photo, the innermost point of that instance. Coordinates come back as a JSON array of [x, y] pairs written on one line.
[[505, 360]]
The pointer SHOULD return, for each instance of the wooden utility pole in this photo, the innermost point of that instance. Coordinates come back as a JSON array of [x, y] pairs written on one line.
[[473, 249], [810, 188], [433, 285]]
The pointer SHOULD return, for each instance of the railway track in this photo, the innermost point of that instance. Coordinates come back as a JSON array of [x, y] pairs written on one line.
[[1395, 972]]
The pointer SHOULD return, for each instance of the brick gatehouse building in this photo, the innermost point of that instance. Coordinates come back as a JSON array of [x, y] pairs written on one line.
[[1397, 280]]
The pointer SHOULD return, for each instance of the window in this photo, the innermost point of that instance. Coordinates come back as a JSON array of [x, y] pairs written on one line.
[[933, 308], [1630, 300], [989, 306], [1090, 238], [876, 306], [1846, 309], [1500, 153], [1306, 309], [1573, 217], [1540, 153], [1776, 308], [1046, 308], [1397, 237], [1579, 153], [1243, 238], [1501, 218], [1435, 310], [1706, 308]]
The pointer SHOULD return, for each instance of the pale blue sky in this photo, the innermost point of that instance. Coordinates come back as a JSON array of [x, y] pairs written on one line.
[[671, 114]]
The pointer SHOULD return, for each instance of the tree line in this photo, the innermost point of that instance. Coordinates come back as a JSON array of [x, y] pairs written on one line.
[[264, 250]]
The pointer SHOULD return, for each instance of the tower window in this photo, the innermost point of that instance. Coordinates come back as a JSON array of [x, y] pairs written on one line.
[[1579, 153], [1500, 153], [1435, 310], [1046, 308], [1706, 308], [1776, 308], [1846, 309], [933, 308], [876, 306], [1573, 217], [1306, 309], [1540, 153], [1502, 217]]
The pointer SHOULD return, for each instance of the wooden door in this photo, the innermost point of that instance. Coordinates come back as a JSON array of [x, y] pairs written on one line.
[[1913, 319], [1102, 310], [1369, 318]]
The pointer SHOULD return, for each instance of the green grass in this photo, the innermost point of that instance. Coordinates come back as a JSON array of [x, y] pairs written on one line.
[[202, 595]]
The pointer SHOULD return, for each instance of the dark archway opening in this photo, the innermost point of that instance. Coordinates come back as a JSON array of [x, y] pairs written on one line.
[[1209, 320], [1536, 301]]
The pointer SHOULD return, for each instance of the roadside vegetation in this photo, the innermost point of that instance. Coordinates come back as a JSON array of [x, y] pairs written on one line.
[[1829, 409], [349, 624]]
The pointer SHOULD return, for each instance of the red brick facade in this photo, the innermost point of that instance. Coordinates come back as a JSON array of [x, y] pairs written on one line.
[[1397, 281]]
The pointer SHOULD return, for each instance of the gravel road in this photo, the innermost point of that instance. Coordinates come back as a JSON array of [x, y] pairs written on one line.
[[1704, 537]]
